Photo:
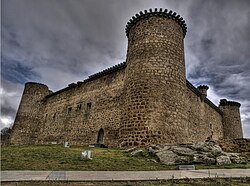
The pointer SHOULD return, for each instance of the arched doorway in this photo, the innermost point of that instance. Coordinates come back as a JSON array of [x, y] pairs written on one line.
[[100, 136]]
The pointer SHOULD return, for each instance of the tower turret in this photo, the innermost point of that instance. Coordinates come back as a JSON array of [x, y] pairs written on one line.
[[203, 90], [232, 127], [28, 118], [155, 80]]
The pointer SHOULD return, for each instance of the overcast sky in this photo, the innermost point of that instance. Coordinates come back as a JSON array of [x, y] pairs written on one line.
[[57, 42]]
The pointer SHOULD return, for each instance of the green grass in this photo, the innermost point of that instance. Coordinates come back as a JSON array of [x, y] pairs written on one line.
[[56, 157]]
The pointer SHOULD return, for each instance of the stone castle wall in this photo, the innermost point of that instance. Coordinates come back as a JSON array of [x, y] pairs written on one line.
[[146, 100], [204, 121], [76, 115]]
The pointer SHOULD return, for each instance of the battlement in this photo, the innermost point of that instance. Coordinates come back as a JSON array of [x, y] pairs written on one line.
[[203, 87], [199, 94], [159, 13], [106, 71], [35, 83], [93, 77], [224, 102]]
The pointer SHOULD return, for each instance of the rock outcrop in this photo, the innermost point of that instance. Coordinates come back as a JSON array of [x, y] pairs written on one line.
[[200, 153]]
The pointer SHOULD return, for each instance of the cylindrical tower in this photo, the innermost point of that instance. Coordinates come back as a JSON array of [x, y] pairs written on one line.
[[232, 127], [27, 122], [155, 81]]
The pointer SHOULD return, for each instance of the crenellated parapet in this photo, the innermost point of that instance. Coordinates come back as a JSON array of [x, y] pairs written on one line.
[[203, 87], [106, 71], [224, 102], [159, 13]]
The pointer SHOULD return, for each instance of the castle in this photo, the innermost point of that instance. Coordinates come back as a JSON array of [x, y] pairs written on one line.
[[145, 100]]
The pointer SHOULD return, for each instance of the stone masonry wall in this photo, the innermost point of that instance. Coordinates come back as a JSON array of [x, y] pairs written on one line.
[[28, 121], [77, 115], [231, 119], [203, 121]]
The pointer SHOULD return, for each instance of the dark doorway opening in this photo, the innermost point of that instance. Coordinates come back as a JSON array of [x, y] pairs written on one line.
[[100, 136]]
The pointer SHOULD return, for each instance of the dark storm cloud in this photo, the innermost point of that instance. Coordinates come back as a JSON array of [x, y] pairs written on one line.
[[8, 111], [16, 72], [10, 94], [59, 42]]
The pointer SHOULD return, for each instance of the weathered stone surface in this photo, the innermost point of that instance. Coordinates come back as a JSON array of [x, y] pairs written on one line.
[[167, 157], [152, 160], [184, 159], [231, 120], [130, 149], [235, 158], [203, 159], [207, 147], [183, 151], [235, 145], [138, 153], [200, 153], [223, 160]]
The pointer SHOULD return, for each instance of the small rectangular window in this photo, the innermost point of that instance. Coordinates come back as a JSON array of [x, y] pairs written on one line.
[[79, 106], [46, 118], [87, 111], [88, 107], [69, 110]]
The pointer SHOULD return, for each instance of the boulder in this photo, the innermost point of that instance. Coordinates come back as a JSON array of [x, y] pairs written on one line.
[[202, 158], [200, 153], [184, 160], [138, 153], [207, 147], [183, 151], [153, 149], [236, 158], [152, 160], [130, 149], [167, 157], [223, 160]]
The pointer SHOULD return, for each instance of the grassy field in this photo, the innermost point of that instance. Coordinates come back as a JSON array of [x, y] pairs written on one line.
[[56, 157], [183, 182]]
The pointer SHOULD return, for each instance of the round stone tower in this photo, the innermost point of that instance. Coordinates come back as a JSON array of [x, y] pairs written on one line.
[[28, 117], [155, 81], [232, 127]]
